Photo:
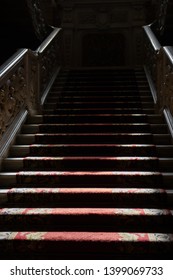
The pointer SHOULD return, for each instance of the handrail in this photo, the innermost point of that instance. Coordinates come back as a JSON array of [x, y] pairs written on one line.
[[47, 41], [12, 61], [13, 90], [152, 38], [159, 68], [169, 52], [25, 78]]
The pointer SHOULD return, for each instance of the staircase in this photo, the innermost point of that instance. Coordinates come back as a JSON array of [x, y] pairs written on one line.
[[90, 178]]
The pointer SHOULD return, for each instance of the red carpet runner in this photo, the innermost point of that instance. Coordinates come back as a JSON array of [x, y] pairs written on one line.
[[84, 179]]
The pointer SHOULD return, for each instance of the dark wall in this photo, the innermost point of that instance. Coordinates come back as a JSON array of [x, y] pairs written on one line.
[[16, 28]]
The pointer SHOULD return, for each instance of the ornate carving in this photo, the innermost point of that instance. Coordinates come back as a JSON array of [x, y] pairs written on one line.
[[12, 97], [33, 98], [102, 19], [87, 17], [138, 13], [40, 26], [119, 16], [42, 66], [166, 91], [49, 60], [23, 83], [162, 11]]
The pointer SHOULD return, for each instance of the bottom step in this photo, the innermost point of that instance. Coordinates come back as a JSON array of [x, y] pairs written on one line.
[[84, 245]]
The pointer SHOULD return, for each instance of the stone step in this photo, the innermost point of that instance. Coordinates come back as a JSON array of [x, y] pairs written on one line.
[[92, 92], [123, 179], [91, 150], [99, 87], [69, 245], [96, 118], [166, 164], [103, 104], [85, 127], [85, 163], [79, 111], [100, 81], [82, 98], [86, 219], [164, 151], [94, 138], [85, 197]]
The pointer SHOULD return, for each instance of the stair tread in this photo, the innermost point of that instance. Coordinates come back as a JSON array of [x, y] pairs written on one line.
[[113, 191], [89, 133], [88, 236], [91, 124], [91, 145], [85, 211], [106, 158], [78, 173]]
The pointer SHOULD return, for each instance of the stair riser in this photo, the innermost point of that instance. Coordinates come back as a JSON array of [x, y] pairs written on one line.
[[96, 139], [104, 88], [165, 151], [83, 180], [94, 118], [111, 105], [69, 249], [99, 77], [99, 111], [97, 128], [65, 179], [97, 80], [92, 139], [166, 165], [84, 150], [109, 128], [94, 222], [161, 139], [81, 165], [94, 92], [76, 105], [128, 200], [73, 98], [90, 150]]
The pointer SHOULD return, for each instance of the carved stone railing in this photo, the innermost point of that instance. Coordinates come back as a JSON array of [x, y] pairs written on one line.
[[151, 52], [159, 24], [159, 68], [26, 78], [43, 65], [41, 28], [166, 78], [49, 57], [13, 85]]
